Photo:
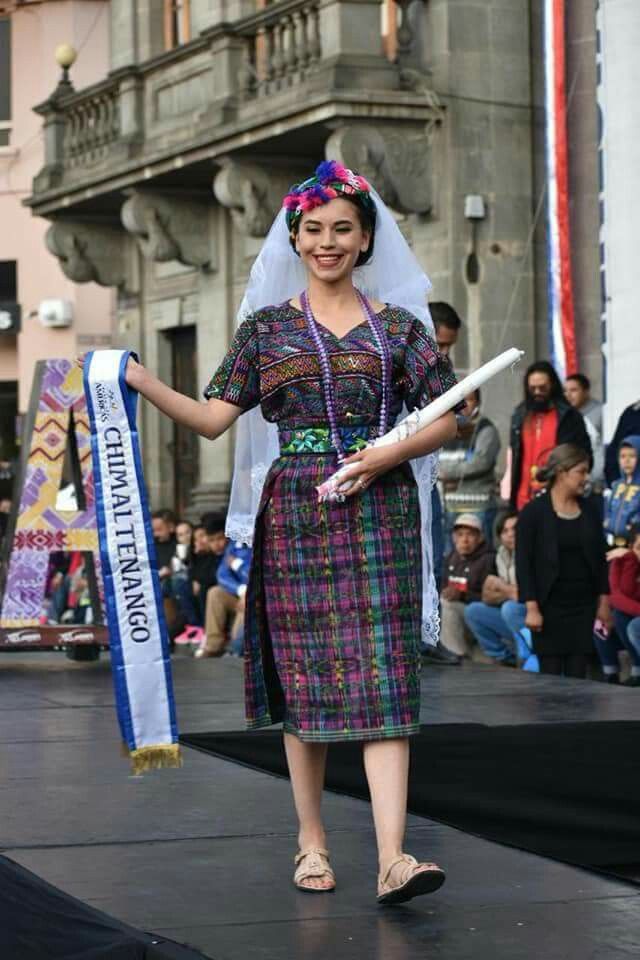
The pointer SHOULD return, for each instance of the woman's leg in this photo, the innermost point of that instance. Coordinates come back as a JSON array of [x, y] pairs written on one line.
[[386, 763], [307, 763], [550, 664], [576, 665]]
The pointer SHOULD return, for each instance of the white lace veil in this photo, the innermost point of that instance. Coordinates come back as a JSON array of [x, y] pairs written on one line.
[[393, 275]]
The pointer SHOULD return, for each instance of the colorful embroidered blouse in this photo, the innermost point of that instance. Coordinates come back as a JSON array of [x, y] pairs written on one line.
[[273, 361]]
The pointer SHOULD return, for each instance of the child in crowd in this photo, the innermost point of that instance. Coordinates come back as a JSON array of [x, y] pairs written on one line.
[[622, 510]]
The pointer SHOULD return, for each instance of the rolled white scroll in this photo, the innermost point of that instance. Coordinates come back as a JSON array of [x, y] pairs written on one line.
[[339, 483]]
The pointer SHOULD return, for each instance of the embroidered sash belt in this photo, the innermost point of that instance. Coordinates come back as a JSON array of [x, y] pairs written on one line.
[[317, 439]]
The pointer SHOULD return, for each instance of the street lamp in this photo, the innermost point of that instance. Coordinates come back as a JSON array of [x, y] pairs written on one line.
[[65, 57]]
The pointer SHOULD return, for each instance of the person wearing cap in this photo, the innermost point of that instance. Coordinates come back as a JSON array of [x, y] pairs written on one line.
[[465, 570]]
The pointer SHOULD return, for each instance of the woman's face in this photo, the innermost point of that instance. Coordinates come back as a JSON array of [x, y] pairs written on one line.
[[200, 542], [575, 479], [330, 239], [183, 533]]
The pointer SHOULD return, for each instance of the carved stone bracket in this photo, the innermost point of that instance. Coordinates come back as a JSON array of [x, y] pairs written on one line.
[[89, 252], [397, 161], [169, 227], [252, 193]]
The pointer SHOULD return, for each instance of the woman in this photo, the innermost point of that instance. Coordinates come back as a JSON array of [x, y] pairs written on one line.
[[334, 598], [561, 565]]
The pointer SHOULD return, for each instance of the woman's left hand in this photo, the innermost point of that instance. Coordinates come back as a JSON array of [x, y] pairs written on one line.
[[603, 612], [369, 464]]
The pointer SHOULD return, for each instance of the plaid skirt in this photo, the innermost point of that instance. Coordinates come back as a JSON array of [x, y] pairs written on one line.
[[332, 641]]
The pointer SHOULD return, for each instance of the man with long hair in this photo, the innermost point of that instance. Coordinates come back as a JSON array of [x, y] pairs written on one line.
[[541, 422]]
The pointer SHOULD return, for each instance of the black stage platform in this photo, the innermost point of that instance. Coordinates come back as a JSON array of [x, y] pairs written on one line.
[[203, 855]]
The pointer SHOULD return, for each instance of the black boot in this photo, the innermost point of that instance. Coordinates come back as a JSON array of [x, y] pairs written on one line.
[[612, 678], [440, 656]]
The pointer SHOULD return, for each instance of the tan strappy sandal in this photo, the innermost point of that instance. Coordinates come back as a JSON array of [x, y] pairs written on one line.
[[313, 862], [415, 879]]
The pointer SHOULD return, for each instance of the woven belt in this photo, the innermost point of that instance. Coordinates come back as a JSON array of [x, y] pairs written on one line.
[[318, 439]]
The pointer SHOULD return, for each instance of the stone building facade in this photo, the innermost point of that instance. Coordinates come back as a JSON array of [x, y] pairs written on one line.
[[161, 180]]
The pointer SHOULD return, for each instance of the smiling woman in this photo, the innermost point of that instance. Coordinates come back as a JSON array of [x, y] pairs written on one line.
[[334, 600]]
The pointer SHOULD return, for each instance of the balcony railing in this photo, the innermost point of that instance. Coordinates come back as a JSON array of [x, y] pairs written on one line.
[[232, 78], [281, 46], [91, 126]]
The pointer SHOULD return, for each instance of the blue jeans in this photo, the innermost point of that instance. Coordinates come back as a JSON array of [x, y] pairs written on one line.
[[486, 517], [628, 630], [498, 630]]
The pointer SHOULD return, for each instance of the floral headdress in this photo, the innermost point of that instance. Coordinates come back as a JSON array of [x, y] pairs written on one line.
[[330, 180]]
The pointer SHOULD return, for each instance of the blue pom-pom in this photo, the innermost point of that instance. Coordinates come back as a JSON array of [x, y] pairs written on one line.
[[326, 171]]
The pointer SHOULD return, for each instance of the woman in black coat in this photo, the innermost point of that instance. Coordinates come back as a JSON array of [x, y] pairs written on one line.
[[561, 565]]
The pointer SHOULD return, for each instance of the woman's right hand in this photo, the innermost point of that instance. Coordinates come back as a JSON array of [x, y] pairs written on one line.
[[534, 619], [131, 374]]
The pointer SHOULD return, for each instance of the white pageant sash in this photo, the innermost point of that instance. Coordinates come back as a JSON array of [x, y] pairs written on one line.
[[138, 637]]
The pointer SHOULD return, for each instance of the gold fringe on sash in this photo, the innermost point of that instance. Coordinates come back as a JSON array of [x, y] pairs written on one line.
[[156, 757]]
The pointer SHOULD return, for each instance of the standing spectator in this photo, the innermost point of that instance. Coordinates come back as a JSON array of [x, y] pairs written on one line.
[[622, 508], [465, 570], [539, 424], [628, 425], [467, 470], [447, 325], [625, 600], [577, 390], [225, 601], [561, 565], [497, 620]]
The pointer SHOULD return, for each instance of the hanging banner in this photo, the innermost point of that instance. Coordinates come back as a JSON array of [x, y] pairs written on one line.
[[48, 534], [133, 600], [562, 334]]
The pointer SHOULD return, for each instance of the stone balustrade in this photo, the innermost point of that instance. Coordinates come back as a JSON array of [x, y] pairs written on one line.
[[291, 65], [91, 125], [282, 45]]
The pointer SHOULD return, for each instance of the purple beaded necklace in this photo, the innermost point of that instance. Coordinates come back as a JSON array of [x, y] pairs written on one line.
[[327, 379]]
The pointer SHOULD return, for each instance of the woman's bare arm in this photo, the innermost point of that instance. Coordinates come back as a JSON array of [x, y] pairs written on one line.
[[209, 419]]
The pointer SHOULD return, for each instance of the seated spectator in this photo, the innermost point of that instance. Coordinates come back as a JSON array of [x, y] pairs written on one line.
[[184, 536], [209, 542], [497, 621], [163, 525], [225, 601], [624, 578], [465, 570], [622, 508], [467, 470]]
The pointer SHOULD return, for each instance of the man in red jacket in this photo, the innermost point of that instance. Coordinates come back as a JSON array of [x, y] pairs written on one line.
[[624, 581]]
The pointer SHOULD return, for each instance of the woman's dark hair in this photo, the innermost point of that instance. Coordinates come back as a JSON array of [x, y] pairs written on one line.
[[502, 519], [564, 457], [366, 215], [543, 366]]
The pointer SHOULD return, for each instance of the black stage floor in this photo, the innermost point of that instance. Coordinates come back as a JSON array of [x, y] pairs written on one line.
[[203, 854]]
